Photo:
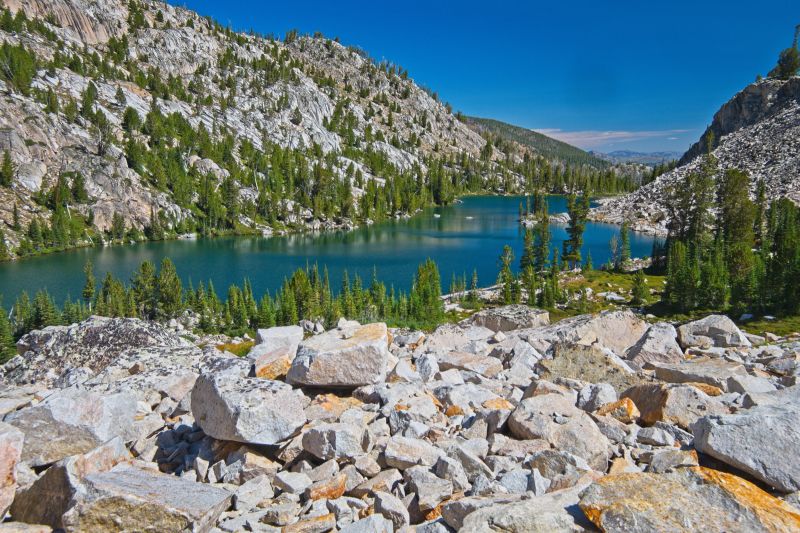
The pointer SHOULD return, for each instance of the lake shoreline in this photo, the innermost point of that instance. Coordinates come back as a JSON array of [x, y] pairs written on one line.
[[467, 236]]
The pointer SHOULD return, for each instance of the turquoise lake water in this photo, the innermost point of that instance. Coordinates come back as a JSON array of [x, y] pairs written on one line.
[[466, 236]]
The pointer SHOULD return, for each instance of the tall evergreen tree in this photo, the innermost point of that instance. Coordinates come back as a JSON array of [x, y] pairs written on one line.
[[7, 349], [144, 287], [170, 291], [7, 170], [625, 243], [737, 219], [89, 284], [578, 211]]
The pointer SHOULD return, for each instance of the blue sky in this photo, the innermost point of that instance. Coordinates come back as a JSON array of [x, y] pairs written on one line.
[[603, 74]]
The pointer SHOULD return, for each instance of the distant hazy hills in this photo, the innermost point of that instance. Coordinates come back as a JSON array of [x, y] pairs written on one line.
[[542, 144], [643, 158]]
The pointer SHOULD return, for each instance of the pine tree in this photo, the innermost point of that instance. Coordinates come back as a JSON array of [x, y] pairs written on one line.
[[45, 312], [89, 285], [7, 170], [170, 291], [542, 237], [713, 290], [7, 350], [640, 291], [528, 258], [505, 277], [5, 254], [683, 275], [16, 225], [737, 220], [144, 289], [51, 105], [578, 212], [427, 306], [625, 243]]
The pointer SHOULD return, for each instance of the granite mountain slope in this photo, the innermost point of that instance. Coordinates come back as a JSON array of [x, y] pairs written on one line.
[[312, 95], [757, 131]]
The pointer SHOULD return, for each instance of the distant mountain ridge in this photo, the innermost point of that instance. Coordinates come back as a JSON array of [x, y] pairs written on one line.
[[545, 146], [643, 158]]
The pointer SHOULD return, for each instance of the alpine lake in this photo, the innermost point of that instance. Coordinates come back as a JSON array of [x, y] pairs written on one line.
[[463, 237]]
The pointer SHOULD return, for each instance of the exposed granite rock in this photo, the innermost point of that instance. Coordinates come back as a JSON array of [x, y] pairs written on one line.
[[713, 330], [128, 498], [759, 441], [93, 344], [229, 406], [351, 357], [689, 499], [511, 317], [657, 345], [11, 441], [71, 422], [681, 405]]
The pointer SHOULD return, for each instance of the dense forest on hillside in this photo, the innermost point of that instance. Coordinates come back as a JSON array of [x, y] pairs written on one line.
[[267, 135]]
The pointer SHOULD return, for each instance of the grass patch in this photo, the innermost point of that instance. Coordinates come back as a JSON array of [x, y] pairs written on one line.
[[604, 281], [237, 348], [781, 326]]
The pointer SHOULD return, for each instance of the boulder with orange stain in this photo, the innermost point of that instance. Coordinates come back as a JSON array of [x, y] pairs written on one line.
[[623, 410], [681, 405], [328, 489], [11, 440], [689, 499]]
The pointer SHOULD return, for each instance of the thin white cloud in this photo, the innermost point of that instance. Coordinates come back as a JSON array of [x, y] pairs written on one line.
[[589, 139]]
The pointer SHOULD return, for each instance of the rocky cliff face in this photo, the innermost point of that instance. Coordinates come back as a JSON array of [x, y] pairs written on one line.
[[501, 422], [758, 131], [294, 93]]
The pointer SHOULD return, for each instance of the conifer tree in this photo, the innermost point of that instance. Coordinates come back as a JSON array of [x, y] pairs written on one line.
[[89, 284], [505, 278], [7, 349], [542, 237], [640, 291], [144, 289], [625, 243], [5, 254], [7, 170], [170, 291]]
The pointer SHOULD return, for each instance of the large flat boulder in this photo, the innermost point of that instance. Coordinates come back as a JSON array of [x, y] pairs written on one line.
[[615, 330], [554, 512], [592, 364], [11, 440], [343, 358], [483, 365], [658, 345], [555, 419], [229, 406], [713, 330], [681, 405], [761, 441], [711, 371], [510, 318], [689, 499], [72, 422], [56, 490], [128, 498], [93, 344]]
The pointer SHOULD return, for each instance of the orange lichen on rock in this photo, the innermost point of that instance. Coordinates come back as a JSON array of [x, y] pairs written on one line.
[[688, 499], [498, 403], [623, 410]]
